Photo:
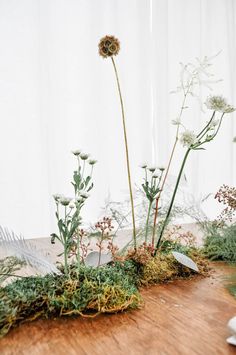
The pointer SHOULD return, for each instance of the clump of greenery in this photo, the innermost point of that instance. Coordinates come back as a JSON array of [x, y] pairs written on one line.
[[96, 290], [221, 244], [232, 285], [106, 289], [9, 266], [68, 209], [163, 267]]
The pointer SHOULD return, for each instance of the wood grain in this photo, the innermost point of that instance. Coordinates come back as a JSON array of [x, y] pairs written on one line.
[[183, 317]]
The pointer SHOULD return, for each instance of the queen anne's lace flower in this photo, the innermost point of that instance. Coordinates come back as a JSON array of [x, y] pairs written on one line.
[[219, 103], [187, 138]]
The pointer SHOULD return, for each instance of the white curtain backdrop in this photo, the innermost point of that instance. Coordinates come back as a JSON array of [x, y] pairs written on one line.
[[57, 94]]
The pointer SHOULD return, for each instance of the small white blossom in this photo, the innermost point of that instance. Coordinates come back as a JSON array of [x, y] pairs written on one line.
[[92, 161], [152, 169], [187, 138], [155, 176], [64, 201], [216, 103], [143, 166], [79, 199], [84, 194], [219, 103], [84, 156], [71, 204], [57, 197], [76, 152], [161, 168]]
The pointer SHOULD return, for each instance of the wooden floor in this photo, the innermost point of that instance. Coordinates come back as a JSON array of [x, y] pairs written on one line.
[[184, 317]]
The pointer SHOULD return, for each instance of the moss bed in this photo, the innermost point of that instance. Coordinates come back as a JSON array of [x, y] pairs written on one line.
[[107, 289]]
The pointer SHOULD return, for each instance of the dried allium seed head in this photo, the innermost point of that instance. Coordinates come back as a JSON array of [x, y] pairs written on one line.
[[108, 46]]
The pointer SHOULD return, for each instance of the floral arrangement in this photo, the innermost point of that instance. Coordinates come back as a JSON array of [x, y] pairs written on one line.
[[96, 276]]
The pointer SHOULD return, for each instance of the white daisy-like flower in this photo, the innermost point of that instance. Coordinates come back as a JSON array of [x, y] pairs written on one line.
[[188, 138], [64, 201], [143, 166], [57, 197], [92, 161], [76, 152], [71, 204], [161, 168], [152, 169], [84, 194], [155, 176], [84, 156], [79, 199]]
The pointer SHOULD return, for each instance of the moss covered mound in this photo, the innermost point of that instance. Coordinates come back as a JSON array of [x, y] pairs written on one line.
[[107, 289]]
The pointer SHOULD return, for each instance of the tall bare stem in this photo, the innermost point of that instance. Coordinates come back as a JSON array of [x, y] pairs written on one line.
[[169, 164], [127, 153]]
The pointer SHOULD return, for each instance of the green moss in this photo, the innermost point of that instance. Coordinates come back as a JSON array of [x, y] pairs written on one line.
[[111, 288], [105, 289], [163, 267]]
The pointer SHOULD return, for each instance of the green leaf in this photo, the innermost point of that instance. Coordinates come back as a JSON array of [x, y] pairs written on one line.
[[87, 180], [90, 187]]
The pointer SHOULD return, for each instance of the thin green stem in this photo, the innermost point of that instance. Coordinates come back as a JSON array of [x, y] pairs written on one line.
[[203, 131], [173, 199], [127, 154], [83, 170], [147, 221], [170, 160], [65, 260]]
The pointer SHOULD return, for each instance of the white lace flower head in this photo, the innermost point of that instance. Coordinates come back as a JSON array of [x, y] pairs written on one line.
[[188, 138], [219, 103]]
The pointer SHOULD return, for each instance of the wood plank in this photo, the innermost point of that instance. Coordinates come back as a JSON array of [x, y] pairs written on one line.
[[183, 317]]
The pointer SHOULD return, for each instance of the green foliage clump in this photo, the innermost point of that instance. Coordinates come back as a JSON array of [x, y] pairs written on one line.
[[220, 244], [231, 284], [163, 267], [106, 289], [9, 266], [101, 290]]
